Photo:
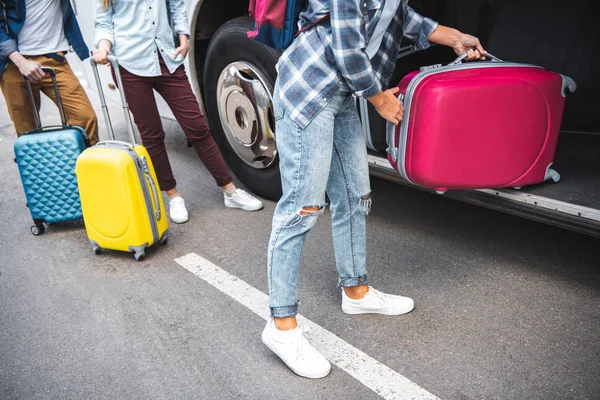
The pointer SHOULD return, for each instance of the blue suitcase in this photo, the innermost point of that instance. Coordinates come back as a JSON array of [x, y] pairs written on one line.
[[46, 158]]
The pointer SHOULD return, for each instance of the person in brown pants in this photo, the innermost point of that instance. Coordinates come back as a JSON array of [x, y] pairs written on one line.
[[141, 35], [41, 38]]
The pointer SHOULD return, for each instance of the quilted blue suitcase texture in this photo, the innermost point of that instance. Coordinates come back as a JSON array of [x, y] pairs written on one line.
[[46, 158]]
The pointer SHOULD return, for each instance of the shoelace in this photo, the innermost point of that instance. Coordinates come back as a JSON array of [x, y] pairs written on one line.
[[381, 297], [304, 347], [243, 195], [176, 201]]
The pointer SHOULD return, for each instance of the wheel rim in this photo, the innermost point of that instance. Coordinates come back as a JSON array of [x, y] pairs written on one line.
[[246, 110]]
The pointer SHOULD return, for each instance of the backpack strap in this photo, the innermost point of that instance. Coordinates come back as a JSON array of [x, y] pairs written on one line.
[[317, 22]]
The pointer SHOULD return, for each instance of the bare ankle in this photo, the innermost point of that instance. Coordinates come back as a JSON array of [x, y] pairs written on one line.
[[356, 292], [285, 324]]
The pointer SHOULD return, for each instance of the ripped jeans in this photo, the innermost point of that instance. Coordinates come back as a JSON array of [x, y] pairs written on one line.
[[328, 156]]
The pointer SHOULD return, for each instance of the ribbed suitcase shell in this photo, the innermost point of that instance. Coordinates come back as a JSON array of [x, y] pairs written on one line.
[[121, 209], [479, 125]]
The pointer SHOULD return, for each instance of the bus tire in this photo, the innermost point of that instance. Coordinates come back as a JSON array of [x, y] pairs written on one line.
[[229, 46]]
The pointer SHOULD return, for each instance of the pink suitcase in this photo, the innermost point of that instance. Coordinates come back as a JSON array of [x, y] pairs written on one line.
[[486, 124]]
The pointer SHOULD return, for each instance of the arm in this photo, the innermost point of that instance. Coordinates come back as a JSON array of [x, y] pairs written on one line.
[[180, 25], [349, 47], [9, 51], [423, 30], [460, 42], [7, 44], [104, 37], [349, 50]]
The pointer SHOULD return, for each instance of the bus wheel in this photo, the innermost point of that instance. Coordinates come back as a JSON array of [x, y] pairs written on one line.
[[239, 75]]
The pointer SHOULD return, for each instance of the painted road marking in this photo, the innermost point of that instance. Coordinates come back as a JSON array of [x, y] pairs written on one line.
[[376, 376]]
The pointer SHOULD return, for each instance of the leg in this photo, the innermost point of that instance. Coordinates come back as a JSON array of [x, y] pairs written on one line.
[[177, 92], [305, 159], [140, 97], [350, 194], [77, 106], [12, 84]]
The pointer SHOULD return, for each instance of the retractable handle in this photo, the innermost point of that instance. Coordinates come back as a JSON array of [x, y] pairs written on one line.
[[115, 64], [59, 104]]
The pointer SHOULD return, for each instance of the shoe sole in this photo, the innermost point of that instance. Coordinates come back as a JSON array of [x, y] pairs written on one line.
[[272, 348], [387, 312], [245, 208], [179, 223]]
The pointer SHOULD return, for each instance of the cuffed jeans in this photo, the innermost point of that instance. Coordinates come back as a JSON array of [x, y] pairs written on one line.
[[328, 156]]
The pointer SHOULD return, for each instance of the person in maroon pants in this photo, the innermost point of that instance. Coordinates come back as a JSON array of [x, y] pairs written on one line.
[[142, 36]]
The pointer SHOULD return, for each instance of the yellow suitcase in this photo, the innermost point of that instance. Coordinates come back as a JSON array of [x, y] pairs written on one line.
[[121, 203]]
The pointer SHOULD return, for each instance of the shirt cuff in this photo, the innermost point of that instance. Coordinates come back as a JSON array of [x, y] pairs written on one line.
[[372, 90], [7, 48], [427, 28], [103, 35], [181, 29]]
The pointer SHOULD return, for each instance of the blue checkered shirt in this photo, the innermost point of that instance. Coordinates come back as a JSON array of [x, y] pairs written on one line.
[[332, 56]]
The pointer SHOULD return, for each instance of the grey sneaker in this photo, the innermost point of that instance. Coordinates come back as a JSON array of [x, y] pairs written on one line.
[[376, 302], [297, 353], [242, 200]]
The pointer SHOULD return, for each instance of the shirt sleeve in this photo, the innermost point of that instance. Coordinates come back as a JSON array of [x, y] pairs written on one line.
[[418, 28], [7, 44], [349, 47], [104, 24], [179, 18]]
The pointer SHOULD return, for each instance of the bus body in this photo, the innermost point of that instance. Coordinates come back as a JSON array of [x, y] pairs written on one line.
[[233, 77]]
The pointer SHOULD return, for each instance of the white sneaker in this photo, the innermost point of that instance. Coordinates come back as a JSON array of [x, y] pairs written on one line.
[[296, 352], [243, 200], [376, 302], [177, 211]]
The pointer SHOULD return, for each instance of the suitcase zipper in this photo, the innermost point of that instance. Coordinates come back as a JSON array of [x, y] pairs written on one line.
[[147, 197]]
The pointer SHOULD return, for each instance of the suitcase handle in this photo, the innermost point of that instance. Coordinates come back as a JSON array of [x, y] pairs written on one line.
[[460, 59], [150, 179], [118, 142], [115, 64], [391, 134], [59, 104]]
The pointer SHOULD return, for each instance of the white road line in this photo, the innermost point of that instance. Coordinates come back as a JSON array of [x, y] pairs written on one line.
[[381, 379]]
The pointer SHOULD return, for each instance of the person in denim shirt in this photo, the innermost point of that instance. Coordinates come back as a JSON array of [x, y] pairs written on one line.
[[322, 151], [36, 33], [141, 34]]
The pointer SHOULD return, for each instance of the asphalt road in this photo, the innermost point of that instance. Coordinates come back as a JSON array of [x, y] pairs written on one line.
[[506, 308]]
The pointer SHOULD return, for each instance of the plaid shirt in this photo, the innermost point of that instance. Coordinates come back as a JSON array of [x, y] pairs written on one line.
[[332, 56]]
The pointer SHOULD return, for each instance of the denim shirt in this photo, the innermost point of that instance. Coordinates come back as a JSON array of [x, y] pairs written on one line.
[[332, 56], [139, 29], [12, 18]]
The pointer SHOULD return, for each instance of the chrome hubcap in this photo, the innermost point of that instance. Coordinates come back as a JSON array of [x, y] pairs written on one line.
[[246, 111]]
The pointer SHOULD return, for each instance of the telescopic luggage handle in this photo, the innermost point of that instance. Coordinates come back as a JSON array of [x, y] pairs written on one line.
[[115, 64], [59, 104]]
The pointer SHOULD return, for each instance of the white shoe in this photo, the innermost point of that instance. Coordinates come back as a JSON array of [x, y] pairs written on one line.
[[376, 302], [243, 200], [295, 351], [177, 211]]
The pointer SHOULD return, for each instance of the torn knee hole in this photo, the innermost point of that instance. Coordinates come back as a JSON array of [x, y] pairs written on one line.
[[366, 197], [309, 210]]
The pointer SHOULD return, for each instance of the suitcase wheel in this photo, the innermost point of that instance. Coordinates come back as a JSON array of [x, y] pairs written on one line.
[[97, 250], [163, 240], [38, 229], [139, 256]]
